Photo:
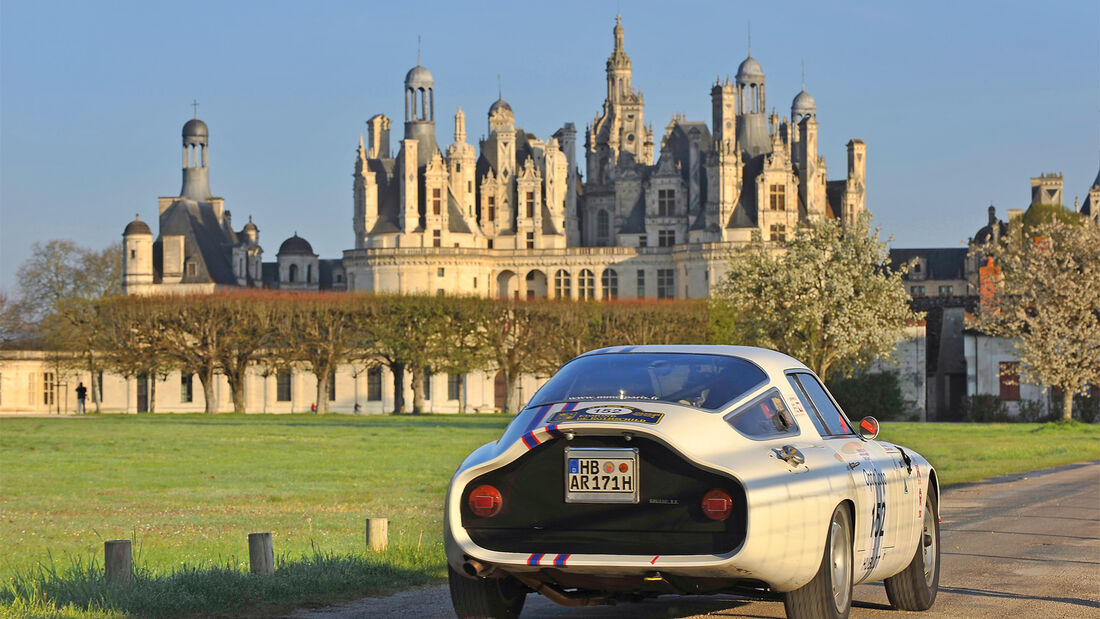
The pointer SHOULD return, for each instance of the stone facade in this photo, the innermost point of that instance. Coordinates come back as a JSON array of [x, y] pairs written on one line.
[[514, 218]]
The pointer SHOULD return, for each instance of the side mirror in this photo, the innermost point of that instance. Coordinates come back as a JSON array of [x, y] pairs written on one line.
[[868, 428]]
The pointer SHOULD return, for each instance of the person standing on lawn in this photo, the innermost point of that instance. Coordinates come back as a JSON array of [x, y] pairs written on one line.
[[81, 394]]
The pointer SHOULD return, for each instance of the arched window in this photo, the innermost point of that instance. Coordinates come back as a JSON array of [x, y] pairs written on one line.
[[610, 282], [309, 273], [292, 276], [562, 285], [586, 286], [603, 226]]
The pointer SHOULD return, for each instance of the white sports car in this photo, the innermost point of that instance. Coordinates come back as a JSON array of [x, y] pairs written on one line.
[[652, 470]]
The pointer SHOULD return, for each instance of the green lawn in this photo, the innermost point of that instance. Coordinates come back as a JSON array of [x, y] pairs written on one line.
[[189, 488]]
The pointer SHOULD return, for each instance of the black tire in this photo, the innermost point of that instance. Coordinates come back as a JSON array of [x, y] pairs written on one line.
[[485, 598], [915, 587], [829, 594]]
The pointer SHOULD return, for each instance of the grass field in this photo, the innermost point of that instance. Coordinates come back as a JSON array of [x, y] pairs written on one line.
[[187, 489]]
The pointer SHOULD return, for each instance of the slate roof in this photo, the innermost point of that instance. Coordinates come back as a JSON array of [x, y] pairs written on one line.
[[206, 242], [942, 262]]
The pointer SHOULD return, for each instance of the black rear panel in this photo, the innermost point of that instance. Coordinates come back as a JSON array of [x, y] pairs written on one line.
[[668, 519]]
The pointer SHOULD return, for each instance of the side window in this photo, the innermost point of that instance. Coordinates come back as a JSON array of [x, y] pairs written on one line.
[[764, 417], [811, 412], [830, 414]]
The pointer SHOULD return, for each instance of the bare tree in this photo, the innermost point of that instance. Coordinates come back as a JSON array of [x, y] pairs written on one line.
[[1045, 294], [60, 281], [317, 332]]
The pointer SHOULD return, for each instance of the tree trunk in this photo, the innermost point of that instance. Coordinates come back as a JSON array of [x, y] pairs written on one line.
[[322, 390], [96, 396], [510, 392], [398, 370], [1067, 405], [206, 377], [417, 379], [462, 395], [152, 392], [236, 389]]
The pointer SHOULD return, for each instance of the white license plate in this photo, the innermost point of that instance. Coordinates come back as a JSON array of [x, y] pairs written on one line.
[[601, 475]]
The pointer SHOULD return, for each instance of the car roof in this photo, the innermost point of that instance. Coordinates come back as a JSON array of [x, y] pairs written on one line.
[[772, 362]]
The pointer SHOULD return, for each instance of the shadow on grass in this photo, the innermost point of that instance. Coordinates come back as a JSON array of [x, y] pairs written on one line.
[[81, 590]]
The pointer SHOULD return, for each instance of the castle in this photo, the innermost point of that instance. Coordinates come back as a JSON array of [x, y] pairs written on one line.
[[514, 218]]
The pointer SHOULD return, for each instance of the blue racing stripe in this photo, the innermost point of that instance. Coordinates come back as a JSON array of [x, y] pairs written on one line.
[[537, 417]]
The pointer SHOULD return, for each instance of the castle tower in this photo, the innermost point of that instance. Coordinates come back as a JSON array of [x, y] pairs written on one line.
[[567, 138], [810, 180], [137, 256], [752, 121], [365, 187], [1046, 189], [420, 112], [619, 134], [855, 190], [196, 161], [461, 163]]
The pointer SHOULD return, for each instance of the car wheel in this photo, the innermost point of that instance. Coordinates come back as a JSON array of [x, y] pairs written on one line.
[[915, 587], [829, 594], [485, 598]]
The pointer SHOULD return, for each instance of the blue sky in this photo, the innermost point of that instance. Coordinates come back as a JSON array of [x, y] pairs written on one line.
[[959, 102]]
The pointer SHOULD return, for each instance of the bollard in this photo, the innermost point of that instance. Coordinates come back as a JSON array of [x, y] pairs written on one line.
[[261, 553], [377, 533], [117, 559]]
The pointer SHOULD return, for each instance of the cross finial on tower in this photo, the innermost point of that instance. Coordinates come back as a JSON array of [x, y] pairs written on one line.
[[195, 104]]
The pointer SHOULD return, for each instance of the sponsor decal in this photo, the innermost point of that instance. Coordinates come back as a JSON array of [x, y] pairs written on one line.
[[607, 413]]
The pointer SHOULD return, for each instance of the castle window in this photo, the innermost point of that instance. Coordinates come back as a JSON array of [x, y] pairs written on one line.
[[916, 291], [332, 386], [187, 388], [133, 254], [492, 208], [374, 384], [192, 269], [666, 238], [530, 204], [586, 286], [562, 284], [436, 201], [777, 198], [946, 291], [48, 388], [643, 240], [282, 387], [454, 386], [665, 289], [610, 282], [309, 273], [436, 240], [641, 283], [439, 271], [292, 274], [603, 227], [666, 202], [490, 246], [427, 384], [778, 232], [530, 240]]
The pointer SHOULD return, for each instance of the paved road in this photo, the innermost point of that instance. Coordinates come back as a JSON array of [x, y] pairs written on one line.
[[1015, 546]]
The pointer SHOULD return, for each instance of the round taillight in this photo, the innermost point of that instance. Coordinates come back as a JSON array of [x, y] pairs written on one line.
[[717, 504], [485, 501]]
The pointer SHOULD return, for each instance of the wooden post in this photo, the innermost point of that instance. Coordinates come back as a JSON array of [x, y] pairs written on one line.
[[261, 554], [377, 533], [117, 560]]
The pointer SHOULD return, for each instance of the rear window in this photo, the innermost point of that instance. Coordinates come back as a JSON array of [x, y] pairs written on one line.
[[703, 381]]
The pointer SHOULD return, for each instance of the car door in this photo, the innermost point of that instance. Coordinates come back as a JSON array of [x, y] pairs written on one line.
[[873, 537]]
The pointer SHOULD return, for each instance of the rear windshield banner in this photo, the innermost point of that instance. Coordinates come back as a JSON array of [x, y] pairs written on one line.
[[607, 413]]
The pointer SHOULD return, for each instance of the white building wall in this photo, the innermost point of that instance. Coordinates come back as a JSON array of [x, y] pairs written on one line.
[[984, 354], [22, 375]]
